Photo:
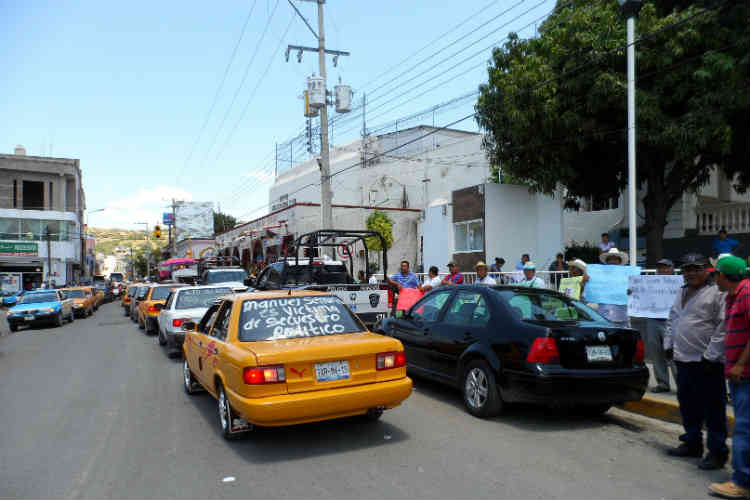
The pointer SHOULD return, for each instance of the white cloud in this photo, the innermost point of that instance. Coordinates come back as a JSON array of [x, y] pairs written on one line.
[[144, 205]]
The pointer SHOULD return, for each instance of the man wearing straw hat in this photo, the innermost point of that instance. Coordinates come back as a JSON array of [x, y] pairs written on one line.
[[482, 278], [617, 314]]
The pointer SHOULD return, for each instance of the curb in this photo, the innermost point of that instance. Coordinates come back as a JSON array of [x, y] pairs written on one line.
[[666, 410]]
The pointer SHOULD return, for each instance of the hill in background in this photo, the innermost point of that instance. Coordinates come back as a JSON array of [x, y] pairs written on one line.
[[109, 239]]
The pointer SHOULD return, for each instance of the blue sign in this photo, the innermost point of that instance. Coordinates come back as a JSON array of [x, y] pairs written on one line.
[[167, 218], [608, 284]]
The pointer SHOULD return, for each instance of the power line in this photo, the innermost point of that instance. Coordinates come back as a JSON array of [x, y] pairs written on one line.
[[218, 91]]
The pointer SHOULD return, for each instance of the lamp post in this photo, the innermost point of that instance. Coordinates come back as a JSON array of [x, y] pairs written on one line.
[[83, 238], [630, 9]]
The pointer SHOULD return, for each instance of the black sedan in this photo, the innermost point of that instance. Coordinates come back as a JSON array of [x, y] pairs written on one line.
[[510, 344]]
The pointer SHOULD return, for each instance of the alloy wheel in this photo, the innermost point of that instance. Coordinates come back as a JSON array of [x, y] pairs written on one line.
[[477, 388]]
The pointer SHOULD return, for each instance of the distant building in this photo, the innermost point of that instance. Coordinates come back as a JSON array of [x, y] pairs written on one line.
[[41, 198]]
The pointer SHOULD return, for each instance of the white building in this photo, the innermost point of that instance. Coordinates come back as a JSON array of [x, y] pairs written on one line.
[[41, 210]]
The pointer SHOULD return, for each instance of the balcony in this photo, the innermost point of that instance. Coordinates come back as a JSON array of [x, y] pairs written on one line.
[[734, 217]]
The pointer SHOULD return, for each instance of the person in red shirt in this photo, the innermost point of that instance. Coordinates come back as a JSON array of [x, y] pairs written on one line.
[[737, 369], [454, 278]]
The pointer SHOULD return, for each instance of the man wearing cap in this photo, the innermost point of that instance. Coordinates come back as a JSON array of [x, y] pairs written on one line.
[[616, 313], [482, 278], [531, 279], [694, 338], [655, 328], [454, 278], [737, 369]]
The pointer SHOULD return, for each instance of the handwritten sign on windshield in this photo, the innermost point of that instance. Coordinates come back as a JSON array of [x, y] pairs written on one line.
[[653, 296], [293, 317]]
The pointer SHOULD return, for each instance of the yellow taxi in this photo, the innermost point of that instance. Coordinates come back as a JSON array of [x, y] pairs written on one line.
[[284, 358], [97, 294], [127, 296], [151, 305], [83, 300]]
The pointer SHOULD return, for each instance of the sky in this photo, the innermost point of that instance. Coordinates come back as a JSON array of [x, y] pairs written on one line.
[[151, 100]]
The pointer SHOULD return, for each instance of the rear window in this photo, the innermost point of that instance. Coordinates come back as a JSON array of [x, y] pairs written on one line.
[[202, 297], [74, 294], [132, 290], [327, 273], [161, 292], [295, 317], [547, 307], [141, 293]]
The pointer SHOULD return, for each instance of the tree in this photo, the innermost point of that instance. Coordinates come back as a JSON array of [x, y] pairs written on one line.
[[554, 109], [380, 222], [223, 222]]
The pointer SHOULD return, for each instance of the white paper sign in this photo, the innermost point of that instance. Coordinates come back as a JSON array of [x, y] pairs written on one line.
[[653, 296]]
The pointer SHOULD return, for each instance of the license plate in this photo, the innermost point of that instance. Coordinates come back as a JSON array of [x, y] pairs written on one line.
[[335, 370], [28, 318], [598, 353]]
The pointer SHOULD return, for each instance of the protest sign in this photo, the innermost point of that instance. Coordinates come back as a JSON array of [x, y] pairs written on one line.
[[571, 287], [608, 284], [407, 297], [653, 296]]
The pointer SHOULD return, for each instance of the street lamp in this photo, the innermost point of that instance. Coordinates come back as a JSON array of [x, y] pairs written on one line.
[[630, 9]]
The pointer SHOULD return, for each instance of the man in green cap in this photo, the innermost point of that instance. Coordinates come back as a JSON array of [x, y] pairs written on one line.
[[731, 279]]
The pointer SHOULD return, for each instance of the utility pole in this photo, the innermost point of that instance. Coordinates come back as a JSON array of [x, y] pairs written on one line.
[[173, 239], [48, 237], [324, 162]]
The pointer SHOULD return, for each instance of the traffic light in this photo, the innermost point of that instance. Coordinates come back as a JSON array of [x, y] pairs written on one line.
[[157, 232]]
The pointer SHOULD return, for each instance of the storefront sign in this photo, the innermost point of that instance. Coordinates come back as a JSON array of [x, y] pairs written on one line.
[[14, 249]]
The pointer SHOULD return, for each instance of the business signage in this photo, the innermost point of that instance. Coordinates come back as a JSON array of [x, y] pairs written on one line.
[[16, 249], [167, 218]]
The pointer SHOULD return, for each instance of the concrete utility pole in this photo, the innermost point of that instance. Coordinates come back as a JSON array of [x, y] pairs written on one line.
[[326, 196], [48, 237], [173, 234]]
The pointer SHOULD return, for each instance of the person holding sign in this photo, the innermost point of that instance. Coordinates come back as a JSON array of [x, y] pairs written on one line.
[[694, 337], [616, 313], [730, 280], [574, 285]]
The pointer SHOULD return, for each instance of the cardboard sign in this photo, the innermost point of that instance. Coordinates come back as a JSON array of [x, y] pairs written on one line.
[[407, 297], [571, 287], [609, 284], [653, 296]]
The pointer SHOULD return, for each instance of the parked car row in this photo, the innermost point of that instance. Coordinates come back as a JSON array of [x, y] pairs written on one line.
[[52, 306]]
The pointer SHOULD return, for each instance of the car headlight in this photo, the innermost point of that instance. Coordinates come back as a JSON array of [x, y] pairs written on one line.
[[51, 309]]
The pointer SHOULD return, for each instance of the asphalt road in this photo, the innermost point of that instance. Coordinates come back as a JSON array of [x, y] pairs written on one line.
[[95, 409]]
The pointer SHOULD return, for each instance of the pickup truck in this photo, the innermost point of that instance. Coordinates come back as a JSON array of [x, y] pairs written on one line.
[[370, 302]]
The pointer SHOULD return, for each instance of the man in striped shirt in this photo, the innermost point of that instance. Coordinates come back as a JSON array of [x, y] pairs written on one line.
[[737, 354]]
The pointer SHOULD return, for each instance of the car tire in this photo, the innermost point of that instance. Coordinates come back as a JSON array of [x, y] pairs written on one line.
[[59, 320], [141, 325], [13, 328], [127, 313], [594, 410], [192, 387], [481, 396], [373, 415], [226, 415], [72, 316], [162, 338]]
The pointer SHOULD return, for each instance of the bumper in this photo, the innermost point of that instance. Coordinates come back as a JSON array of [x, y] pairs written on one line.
[[152, 323], [175, 340], [313, 406], [38, 320], [576, 387]]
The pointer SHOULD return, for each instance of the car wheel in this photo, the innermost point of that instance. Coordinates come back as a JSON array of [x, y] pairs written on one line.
[[594, 410], [13, 328], [59, 319], [191, 385], [373, 414], [127, 313], [227, 417], [141, 325], [72, 316], [481, 395], [162, 338]]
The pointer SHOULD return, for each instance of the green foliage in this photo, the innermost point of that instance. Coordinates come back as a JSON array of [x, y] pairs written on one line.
[[223, 222], [554, 109], [380, 222], [109, 239]]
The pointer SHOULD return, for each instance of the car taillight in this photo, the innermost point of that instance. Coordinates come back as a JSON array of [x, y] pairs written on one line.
[[264, 375], [544, 350], [388, 360], [152, 309], [640, 353], [179, 321]]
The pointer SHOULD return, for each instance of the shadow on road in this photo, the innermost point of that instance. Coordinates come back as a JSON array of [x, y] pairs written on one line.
[[296, 442], [528, 417]]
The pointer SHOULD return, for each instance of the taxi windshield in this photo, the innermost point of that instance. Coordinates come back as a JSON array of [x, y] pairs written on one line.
[[75, 294], [35, 298], [295, 317]]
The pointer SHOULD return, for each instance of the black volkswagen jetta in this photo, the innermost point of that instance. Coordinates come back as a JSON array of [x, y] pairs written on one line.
[[510, 344]]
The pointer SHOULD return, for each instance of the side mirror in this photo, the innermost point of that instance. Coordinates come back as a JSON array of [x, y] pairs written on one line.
[[189, 326]]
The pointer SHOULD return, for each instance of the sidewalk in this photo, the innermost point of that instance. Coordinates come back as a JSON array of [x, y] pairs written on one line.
[[664, 405]]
